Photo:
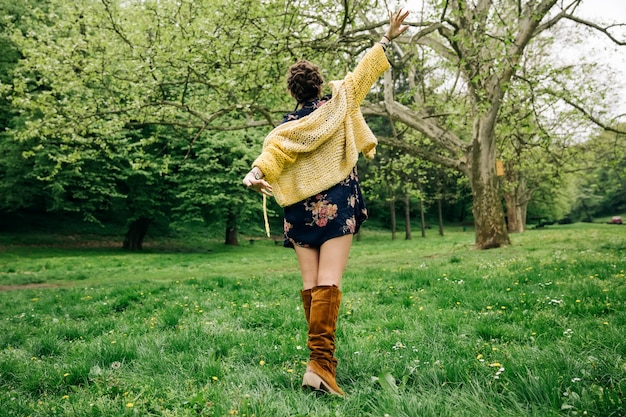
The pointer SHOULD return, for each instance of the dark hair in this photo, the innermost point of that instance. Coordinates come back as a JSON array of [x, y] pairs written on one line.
[[304, 81]]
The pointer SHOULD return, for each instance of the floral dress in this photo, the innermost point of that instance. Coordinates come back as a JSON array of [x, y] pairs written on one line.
[[335, 212]]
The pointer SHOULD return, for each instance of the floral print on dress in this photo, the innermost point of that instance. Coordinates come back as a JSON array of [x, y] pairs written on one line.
[[350, 225], [321, 210], [287, 226]]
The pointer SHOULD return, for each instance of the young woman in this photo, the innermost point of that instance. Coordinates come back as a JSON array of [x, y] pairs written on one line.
[[308, 164]]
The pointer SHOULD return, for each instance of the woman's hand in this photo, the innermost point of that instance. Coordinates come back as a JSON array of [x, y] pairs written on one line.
[[260, 185], [395, 24]]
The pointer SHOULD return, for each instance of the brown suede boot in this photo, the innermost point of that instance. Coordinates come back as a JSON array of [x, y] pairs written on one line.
[[306, 303], [320, 372]]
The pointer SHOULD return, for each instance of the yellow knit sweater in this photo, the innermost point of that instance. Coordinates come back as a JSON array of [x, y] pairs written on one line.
[[305, 156]]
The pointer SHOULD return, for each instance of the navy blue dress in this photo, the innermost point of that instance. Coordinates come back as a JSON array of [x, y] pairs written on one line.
[[335, 212]]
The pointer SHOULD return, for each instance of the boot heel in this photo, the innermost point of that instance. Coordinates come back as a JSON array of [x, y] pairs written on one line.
[[312, 381]]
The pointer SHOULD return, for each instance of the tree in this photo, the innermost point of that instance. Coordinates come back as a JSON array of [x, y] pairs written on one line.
[[210, 182], [534, 150], [600, 178], [483, 42], [120, 98]]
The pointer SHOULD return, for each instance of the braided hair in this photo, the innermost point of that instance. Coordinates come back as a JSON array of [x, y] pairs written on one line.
[[304, 81]]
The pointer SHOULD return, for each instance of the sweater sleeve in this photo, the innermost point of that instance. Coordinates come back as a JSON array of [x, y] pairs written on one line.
[[369, 69], [273, 159]]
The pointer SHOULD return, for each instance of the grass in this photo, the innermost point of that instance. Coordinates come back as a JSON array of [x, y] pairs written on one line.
[[428, 327]]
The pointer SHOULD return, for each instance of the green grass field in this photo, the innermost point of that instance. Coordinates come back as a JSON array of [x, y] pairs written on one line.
[[428, 327]]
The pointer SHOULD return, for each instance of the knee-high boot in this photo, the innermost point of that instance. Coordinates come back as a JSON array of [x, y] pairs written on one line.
[[321, 370], [306, 303]]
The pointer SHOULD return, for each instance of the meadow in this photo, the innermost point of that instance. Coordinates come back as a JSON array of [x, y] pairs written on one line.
[[427, 327]]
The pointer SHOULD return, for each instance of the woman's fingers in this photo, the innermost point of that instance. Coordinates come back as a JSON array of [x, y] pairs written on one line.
[[266, 188], [260, 186], [399, 16], [395, 22]]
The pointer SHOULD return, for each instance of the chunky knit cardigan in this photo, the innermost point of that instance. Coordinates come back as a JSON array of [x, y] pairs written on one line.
[[304, 157]]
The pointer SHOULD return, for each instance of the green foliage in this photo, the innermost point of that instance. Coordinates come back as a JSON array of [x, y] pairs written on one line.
[[209, 180], [137, 109], [115, 123], [155, 109], [17, 190], [601, 179]]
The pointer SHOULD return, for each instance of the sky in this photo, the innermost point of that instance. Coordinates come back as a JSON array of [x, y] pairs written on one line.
[[601, 48], [597, 46]]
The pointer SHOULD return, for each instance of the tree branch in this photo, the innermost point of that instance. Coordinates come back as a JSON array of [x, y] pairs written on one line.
[[422, 152], [591, 117], [116, 28], [599, 28], [553, 21], [419, 122]]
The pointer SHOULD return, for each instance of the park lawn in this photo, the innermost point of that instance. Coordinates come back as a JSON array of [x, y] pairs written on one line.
[[428, 327]]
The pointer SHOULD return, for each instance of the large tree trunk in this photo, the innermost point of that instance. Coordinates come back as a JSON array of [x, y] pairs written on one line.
[[488, 215], [487, 206], [137, 231], [231, 230]]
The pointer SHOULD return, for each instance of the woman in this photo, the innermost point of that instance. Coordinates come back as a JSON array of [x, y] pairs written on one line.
[[308, 164]]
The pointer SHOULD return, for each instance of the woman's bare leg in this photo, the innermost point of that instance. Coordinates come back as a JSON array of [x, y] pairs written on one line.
[[329, 262], [324, 266], [308, 259], [333, 260]]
